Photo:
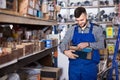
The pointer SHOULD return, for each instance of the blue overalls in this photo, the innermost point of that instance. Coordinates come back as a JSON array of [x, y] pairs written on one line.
[[83, 69]]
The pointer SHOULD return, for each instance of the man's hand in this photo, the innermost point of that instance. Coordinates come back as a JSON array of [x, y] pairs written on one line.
[[83, 45], [69, 54]]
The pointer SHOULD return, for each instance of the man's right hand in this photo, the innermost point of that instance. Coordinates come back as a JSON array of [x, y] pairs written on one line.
[[70, 54]]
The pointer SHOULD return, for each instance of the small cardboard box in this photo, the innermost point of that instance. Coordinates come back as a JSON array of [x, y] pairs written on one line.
[[26, 7], [29, 48], [41, 45], [8, 4], [50, 73], [7, 57], [18, 52]]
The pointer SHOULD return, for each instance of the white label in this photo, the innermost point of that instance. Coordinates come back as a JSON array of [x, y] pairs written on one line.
[[31, 3], [30, 11], [37, 7], [2, 3], [35, 12]]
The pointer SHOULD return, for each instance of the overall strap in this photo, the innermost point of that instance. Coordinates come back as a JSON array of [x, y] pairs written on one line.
[[76, 28], [91, 27]]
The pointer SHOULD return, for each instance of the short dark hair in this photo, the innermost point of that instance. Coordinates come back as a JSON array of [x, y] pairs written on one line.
[[78, 11]]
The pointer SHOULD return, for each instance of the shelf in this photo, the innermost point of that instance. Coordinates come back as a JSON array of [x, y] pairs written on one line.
[[101, 6], [104, 22], [9, 17], [110, 38], [35, 56], [104, 6], [6, 69], [66, 23], [73, 7]]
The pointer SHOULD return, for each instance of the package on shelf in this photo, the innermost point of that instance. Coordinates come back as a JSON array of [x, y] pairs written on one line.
[[44, 6], [51, 9], [49, 31], [35, 12], [57, 8], [28, 47], [110, 47], [37, 4], [48, 43], [103, 51], [41, 45], [48, 10], [37, 8], [109, 31], [54, 42], [7, 55], [26, 7], [38, 45], [19, 51], [46, 16], [53, 36], [41, 35], [8, 4], [30, 72], [95, 3], [6, 50], [51, 15], [50, 73], [115, 31]]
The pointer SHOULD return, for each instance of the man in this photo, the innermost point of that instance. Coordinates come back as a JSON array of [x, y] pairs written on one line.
[[84, 35]]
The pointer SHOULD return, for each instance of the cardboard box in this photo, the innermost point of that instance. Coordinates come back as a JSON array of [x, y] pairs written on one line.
[[26, 7], [19, 51], [41, 45], [8, 4], [103, 51], [7, 58], [50, 73], [28, 48]]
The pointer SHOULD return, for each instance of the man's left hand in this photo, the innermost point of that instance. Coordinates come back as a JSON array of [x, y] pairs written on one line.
[[83, 45]]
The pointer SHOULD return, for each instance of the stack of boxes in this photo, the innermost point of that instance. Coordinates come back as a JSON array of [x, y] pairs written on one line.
[[29, 7], [45, 9]]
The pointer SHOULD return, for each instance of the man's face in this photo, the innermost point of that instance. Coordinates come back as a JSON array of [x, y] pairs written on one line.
[[82, 20]]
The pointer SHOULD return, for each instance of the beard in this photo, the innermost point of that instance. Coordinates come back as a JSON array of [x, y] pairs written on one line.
[[85, 24]]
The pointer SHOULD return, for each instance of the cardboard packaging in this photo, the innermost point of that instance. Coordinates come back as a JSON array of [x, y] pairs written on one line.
[[29, 48], [50, 73], [26, 7], [7, 56], [8, 4]]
